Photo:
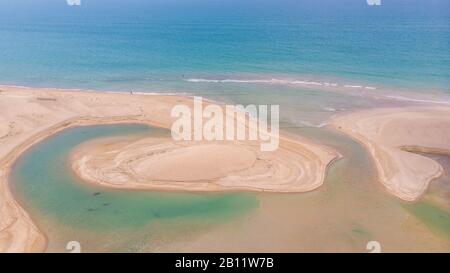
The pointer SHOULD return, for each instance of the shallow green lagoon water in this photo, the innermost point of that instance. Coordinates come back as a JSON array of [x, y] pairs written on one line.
[[67, 209], [434, 208]]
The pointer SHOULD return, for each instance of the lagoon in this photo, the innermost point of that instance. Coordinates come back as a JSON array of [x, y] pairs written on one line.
[[103, 219]]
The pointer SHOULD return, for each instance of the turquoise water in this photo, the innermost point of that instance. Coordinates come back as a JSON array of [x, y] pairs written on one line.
[[157, 45], [67, 209]]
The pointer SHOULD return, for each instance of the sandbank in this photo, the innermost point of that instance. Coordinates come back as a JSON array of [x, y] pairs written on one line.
[[393, 136]]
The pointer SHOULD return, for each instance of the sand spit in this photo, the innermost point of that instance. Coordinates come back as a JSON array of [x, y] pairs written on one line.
[[29, 115], [393, 135]]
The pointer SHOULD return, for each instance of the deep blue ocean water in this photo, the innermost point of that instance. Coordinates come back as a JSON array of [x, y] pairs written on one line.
[[158, 45]]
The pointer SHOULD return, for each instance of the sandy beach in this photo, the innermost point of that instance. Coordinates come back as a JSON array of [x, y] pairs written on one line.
[[29, 115], [393, 135]]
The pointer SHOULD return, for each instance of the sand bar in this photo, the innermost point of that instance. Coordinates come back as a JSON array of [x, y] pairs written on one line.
[[163, 164], [393, 135]]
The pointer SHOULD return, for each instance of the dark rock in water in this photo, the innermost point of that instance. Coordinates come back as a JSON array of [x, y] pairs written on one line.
[[96, 193], [90, 209], [156, 215], [105, 204]]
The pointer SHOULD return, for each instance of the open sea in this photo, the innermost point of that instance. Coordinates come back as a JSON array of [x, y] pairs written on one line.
[[176, 45]]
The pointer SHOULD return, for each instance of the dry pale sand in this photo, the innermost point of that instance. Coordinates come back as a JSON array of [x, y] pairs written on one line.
[[161, 163], [30, 115], [393, 135]]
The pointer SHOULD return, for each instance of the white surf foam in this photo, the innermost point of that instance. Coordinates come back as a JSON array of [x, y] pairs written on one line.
[[329, 109], [262, 81], [417, 100], [305, 123]]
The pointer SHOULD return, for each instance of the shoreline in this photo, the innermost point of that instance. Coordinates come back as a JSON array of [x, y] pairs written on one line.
[[41, 115], [327, 83]]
